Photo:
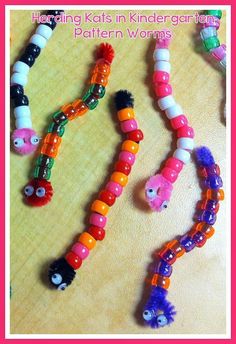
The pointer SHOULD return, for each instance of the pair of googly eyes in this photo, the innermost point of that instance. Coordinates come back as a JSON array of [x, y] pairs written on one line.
[[151, 193], [161, 318], [19, 142], [56, 280], [29, 190]]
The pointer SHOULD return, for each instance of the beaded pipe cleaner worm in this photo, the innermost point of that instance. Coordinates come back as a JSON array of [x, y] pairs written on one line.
[[39, 191], [62, 271], [25, 140], [158, 311], [159, 187]]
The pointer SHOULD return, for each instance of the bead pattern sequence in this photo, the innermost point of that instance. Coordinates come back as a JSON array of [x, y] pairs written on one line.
[[158, 311], [39, 191], [25, 140], [210, 38], [62, 271], [159, 187]]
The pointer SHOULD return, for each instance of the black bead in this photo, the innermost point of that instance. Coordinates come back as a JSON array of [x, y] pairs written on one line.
[[28, 59], [54, 12], [52, 24], [16, 90], [21, 100], [33, 49]]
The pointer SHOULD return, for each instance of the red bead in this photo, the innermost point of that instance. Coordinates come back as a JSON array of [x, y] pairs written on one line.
[[162, 90], [185, 131], [97, 233], [135, 135], [123, 167], [74, 260], [107, 197]]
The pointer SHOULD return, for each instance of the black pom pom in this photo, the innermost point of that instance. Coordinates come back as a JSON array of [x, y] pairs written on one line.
[[124, 99], [61, 274]]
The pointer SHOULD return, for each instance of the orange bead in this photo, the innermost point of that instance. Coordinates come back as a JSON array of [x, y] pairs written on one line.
[[175, 246], [100, 207], [119, 178], [217, 195], [160, 281], [205, 228], [68, 110], [52, 139], [98, 78], [87, 240], [49, 150], [102, 68], [130, 146], [125, 114], [80, 107]]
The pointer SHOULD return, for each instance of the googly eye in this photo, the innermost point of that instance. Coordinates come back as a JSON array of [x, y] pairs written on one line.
[[56, 279], [34, 140], [164, 205], [62, 286], [40, 192], [151, 193], [147, 315], [162, 320], [18, 142], [28, 190]]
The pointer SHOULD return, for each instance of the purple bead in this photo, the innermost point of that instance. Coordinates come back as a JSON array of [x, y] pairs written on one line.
[[205, 216], [199, 238], [211, 205], [214, 182], [213, 169], [187, 242], [163, 268]]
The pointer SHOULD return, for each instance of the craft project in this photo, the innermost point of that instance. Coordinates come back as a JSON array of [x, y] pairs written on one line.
[[158, 311], [24, 138], [159, 187], [39, 191], [62, 271]]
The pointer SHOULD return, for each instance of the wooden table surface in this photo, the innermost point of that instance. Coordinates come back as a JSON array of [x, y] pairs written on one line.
[[106, 295]]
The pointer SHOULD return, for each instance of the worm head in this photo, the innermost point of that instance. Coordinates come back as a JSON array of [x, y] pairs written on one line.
[[61, 274], [158, 191], [38, 192], [25, 141]]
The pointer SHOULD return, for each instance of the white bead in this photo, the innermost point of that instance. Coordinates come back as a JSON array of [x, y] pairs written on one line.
[[166, 102], [182, 155], [164, 66], [39, 40], [185, 143], [21, 67], [44, 31], [22, 111], [161, 55], [208, 32], [19, 78], [174, 111], [223, 62], [24, 122]]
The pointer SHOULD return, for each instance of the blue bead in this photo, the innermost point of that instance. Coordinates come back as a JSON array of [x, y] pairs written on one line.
[[187, 242], [214, 182], [205, 216], [211, 205], [163, 268]]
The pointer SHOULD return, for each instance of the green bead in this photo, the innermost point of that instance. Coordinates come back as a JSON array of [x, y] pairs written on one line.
[[215, 13], [98, 90], [42, 172], [90, 100], [60, 118], [211, 43], [57, 129], [45, 161]]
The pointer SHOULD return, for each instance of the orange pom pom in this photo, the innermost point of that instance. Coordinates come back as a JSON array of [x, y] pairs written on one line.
[[106, 52]]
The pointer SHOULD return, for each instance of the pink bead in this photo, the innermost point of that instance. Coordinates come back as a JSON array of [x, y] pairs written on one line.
[[129, 125], [81, 250], [127, 157], [212, 21], [163, 42], [185, 131], [179, 121], [219, 53], [115, 188], [160, 76], [169, 174], [98, 220], [174, 164], [162, 90]]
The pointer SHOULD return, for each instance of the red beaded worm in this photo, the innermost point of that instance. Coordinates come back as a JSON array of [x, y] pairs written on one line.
[[39, 191], [62, 271]]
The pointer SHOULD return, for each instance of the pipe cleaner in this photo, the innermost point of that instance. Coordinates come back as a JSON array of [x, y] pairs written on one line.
[[159, 187], [62, 271], [158, 311], [39, 191], [25, 140]]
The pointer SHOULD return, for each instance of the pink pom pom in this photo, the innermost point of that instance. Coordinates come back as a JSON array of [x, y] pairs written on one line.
[[25, 141]]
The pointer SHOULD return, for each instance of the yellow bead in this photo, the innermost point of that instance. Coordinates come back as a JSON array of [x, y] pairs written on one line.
[[119, 178], [100, 207], [130, 146]]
